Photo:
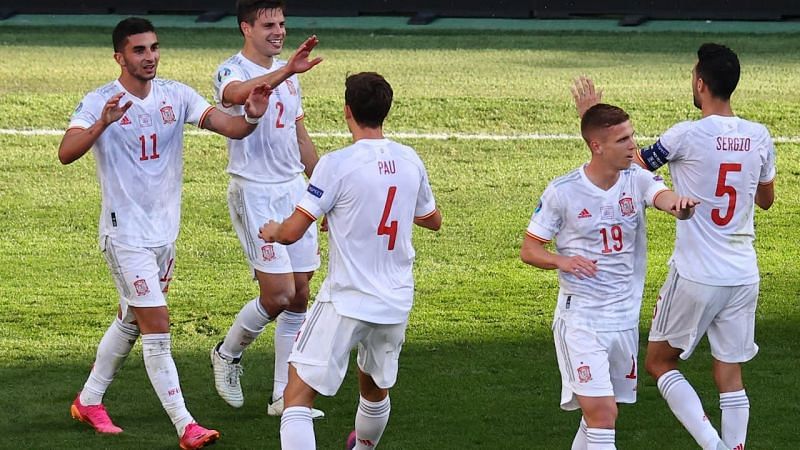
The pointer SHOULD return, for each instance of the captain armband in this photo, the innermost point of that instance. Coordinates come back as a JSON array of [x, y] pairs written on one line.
[[654, 156]]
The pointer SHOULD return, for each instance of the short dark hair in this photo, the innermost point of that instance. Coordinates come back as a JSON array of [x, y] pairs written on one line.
[[129, 27], [601, 116], [718, 67], [247, 10], [369, 97]]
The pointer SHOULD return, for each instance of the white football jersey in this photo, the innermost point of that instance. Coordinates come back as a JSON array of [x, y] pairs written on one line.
[[720, 161], [271, 153], [140, 159], [370, 192], [607, 227]]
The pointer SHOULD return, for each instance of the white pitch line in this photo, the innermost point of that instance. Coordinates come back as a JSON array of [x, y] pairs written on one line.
[[402, 135]]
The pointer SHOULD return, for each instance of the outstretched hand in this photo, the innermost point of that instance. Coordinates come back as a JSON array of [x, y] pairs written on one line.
[[683, 208], [112, 111], [585, 94], [256, 104], [299, 62]]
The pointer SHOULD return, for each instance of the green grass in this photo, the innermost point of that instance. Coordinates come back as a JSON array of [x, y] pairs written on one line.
[[478, 369]]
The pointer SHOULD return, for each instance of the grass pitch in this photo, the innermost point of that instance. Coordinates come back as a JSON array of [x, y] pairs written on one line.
[[478, 369]]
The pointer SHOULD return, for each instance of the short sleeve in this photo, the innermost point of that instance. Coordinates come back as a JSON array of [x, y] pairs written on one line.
[[548, 217], [768, 168], [88, 111], [226, 74], [321, 192], [300, 112], [649, 185], [426, 204], [195, 105], [667, 148]]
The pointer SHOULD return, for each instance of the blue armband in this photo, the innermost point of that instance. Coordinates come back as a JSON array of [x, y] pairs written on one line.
[[655, 155]]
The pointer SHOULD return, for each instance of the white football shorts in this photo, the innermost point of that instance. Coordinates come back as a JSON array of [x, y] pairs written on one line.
[[251, 205], [596, 363], [321, 351], [142, 275], [685, 311]]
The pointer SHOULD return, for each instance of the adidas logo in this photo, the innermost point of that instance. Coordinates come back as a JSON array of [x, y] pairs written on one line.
[[125, 121], [584, 214]]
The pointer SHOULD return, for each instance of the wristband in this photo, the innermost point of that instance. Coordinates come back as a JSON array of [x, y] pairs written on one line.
[[251, 120]]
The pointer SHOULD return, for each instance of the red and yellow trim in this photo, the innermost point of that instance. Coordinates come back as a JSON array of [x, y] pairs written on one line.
[[430, 214], [305, 213], [299, 118], [76, 128], [535, 237], [204, 115], [638, 155], [657, 194], [767, 183]]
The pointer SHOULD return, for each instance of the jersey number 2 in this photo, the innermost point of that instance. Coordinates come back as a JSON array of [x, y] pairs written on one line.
[[281, 108], [390, 229], [724, 189]]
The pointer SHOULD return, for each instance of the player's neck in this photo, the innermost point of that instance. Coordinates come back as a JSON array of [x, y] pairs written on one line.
[[251, 54], [135, 86], [366, 133], [601, 176], [716, 107]]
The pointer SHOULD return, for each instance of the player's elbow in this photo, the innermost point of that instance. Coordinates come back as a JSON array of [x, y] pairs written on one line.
[[765, 204], [432, 222]]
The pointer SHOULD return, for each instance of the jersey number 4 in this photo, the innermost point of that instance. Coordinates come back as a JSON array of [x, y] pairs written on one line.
[[391, 228], [725, 189]]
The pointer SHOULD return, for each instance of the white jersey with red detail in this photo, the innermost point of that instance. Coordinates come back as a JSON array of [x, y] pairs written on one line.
[[370, 192], [605, 226], [720, 161], [140, 159], [271, 153]]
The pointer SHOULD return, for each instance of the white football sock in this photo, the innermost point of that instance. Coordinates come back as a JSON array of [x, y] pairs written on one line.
[[685, 404], [164, 377], [600, 439], [287, 326], [114, 347], [371, 420], [297, 429], [249, 323], [735, 408], [579, 443]]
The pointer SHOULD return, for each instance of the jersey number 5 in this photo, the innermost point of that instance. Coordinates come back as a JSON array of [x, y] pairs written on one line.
[[724, 189], [390, 229]]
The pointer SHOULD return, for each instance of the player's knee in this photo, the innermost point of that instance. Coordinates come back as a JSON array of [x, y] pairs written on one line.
[[276, 299], [604, 416]]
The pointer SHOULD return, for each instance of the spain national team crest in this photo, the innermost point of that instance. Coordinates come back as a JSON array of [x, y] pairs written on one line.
[[268, 253], [141, 287], [584, 374], [167, 115], [626, 206], [292, 89]]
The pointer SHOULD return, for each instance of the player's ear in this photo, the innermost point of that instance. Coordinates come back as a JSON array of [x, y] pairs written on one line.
[[119, 59], [348, 113]]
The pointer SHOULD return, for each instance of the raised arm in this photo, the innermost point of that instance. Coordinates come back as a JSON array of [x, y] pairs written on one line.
[[672, 203], [237, 127], [236, 92], [585, 94], [534, 253], [77, 141]]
